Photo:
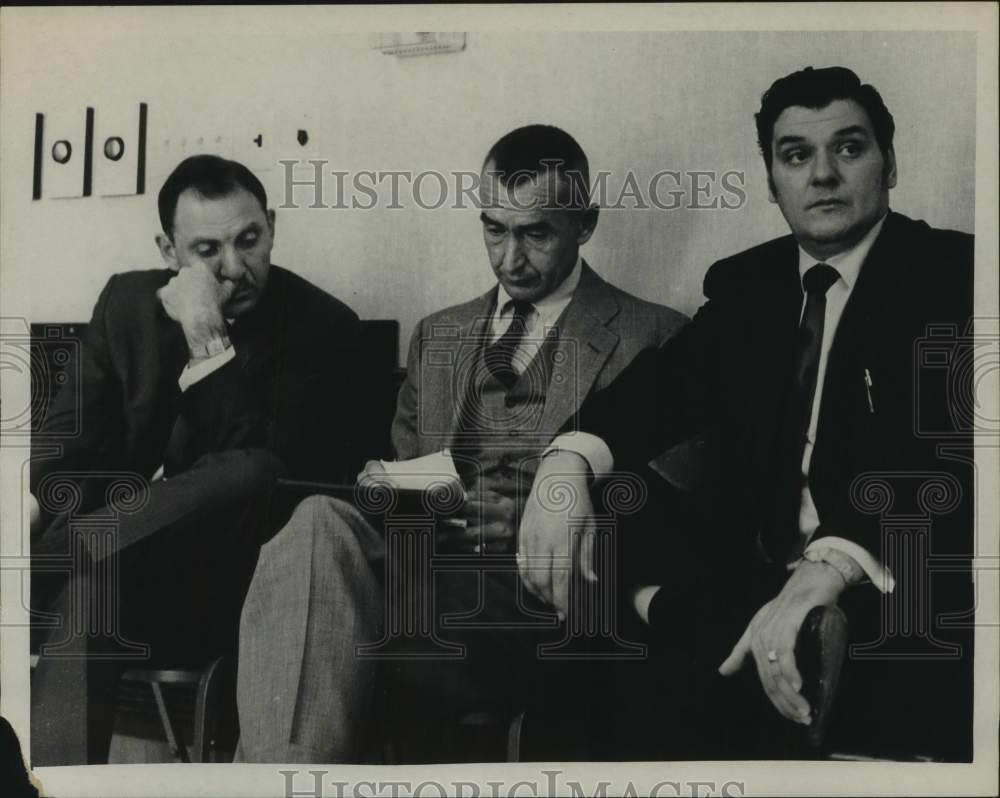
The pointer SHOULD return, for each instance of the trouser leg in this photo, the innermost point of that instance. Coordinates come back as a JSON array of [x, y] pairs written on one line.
[[693, 629], [888, 703], [907, 688], [175, 590], [303, 693], [73, 696], [489, 657]]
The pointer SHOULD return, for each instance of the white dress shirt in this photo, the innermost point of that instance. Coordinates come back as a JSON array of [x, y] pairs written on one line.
[[539, 322], [192, 374], [848, 264]]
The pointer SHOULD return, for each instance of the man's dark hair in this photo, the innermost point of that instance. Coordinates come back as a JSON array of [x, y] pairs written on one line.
[[817, 88], [209, 175], [528, 151]]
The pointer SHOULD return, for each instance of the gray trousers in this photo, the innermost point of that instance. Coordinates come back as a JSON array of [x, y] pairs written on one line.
[[314, 597], [319, 592]]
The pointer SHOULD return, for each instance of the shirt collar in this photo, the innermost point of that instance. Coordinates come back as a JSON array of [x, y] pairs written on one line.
[[558, 297], [847, 263]]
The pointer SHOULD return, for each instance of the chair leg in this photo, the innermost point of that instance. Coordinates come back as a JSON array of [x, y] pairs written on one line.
[[514, 737], [206, 708], [176, 749]]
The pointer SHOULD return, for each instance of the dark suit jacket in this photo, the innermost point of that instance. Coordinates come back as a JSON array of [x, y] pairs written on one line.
[[601, 330], [730, 367], [283, 392]]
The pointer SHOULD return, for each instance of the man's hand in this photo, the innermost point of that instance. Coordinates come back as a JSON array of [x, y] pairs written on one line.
[[558, 504], [373, 474], [771, 635], [194, 299], [490, 521]]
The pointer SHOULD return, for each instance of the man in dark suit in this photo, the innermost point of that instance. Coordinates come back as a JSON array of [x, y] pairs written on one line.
[[491, 381], [806, 357], [198, 385]]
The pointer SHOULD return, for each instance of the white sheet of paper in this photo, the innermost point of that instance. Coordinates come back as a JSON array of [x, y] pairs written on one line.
[[420, 473]]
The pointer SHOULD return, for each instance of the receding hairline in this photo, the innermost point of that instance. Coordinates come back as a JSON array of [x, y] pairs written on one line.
[[563, 171], [569, 183], [235, 188], [196, 193]]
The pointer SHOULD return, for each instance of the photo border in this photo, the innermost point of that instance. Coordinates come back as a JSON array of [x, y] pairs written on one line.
[[771, 778]]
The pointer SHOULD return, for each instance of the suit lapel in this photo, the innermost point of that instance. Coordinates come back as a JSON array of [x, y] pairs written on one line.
[[154, 416], [769, 356], [172, 352], [451, 386], [258, 335], [585, 343], [865, 307], [860, 334]]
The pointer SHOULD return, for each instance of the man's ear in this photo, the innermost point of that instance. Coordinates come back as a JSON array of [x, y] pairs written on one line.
[[890, 169], [167, 251], [588, 223]]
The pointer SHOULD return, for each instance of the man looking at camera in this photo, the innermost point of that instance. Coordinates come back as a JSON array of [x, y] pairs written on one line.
[[806, 358], [198, 385]]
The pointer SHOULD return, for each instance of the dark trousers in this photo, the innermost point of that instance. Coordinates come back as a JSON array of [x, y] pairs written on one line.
[[887, 705], [167, 588], [906, 688], [357, 630], [487, 655]]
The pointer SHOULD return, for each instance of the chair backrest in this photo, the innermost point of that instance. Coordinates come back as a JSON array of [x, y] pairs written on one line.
[[380, 354]]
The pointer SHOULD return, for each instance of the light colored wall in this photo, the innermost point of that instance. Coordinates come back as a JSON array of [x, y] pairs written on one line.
[[635, 101]]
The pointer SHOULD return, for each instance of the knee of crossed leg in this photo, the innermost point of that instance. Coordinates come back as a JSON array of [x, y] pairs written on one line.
[[320, 521]]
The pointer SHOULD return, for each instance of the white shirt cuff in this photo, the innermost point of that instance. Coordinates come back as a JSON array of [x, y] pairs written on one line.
[[879, 575], [34, 511], [589, 447], [203, 368], [642, 597]]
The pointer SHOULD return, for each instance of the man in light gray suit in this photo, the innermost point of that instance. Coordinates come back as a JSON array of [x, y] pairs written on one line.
[[491, 381]]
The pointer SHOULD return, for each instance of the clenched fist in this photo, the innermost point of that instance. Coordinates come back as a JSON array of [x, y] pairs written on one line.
[[194, 299]]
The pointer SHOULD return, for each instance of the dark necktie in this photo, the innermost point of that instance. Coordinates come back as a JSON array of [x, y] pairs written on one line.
[[499, 356], [795, 425]]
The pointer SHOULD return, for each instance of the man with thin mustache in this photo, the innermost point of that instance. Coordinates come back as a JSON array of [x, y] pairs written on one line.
[[199, 384], [490, 380]]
